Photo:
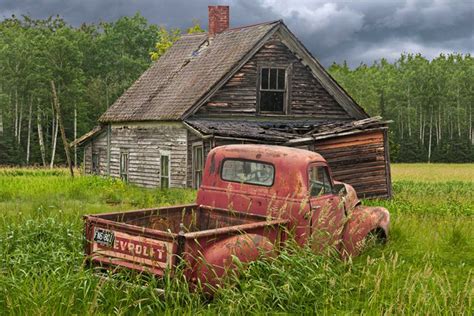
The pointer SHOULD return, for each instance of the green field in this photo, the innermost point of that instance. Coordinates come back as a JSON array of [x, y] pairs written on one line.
[[427, 267]]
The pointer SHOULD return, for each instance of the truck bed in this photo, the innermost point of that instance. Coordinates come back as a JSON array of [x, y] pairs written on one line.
[[157, 239]]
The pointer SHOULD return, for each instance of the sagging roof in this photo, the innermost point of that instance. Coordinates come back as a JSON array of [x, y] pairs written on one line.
[[287, 133], [87, 136], [181, 80]]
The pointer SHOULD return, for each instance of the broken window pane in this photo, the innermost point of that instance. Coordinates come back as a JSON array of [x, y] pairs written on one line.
[[281, 79], [271, 101], [265, 72], [273, 78]]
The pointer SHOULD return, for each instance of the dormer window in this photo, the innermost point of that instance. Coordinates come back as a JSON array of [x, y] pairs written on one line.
[[272, 90]]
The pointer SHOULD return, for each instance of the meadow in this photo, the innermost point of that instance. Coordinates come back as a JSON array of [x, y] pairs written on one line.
[[427, 266]]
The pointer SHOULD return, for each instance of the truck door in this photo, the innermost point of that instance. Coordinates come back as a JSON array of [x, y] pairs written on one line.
[[327, 211]]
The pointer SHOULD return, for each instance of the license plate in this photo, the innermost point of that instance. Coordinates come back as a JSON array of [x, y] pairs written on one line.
[[104, 237]]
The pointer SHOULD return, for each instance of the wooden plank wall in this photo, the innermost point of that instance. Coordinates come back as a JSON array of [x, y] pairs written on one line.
[[88, 158], [144, 146], [238, 96], [359, 160], [98, 145]]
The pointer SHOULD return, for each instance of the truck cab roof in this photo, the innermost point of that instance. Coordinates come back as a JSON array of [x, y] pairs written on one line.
[[285, 174], [269, 153]]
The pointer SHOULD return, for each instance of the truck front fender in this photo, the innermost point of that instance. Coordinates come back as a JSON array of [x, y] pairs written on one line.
[[220, 257], [362, 221]]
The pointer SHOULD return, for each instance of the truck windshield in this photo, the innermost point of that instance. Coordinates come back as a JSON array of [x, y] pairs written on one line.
[[246, 171]]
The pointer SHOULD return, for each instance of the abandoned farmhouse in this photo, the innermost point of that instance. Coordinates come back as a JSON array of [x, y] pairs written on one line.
[[252, 84]]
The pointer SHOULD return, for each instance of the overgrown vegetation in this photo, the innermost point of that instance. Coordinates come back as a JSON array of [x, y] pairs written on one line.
[[430, 101], [426, 267]]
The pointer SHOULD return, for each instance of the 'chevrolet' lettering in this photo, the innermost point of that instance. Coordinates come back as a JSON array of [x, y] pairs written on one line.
[[139, 249]]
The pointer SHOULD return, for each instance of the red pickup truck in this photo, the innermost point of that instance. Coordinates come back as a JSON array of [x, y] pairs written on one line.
[[251, 198]]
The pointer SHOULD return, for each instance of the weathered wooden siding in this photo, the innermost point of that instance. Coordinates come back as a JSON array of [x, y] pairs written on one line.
[[144, 145], [359, 160], [308, 99], [98, 145]]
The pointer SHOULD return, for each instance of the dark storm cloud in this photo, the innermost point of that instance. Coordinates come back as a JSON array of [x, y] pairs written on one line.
[[333, 30]]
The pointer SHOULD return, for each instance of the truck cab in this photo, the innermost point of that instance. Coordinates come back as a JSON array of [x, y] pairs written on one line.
[[293, 184]]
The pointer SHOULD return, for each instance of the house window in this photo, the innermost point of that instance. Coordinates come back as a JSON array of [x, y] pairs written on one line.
[[272, 90], [165, 171], [95, 163], [319, 181], [124, 166], [198, 162]]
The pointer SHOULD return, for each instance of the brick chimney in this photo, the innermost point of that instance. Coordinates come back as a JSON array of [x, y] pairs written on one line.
[[218, 19]]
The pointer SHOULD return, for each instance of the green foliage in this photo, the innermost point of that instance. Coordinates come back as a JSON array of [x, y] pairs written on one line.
[[91, 65], [167, 38], [425, 268], [430, 103]]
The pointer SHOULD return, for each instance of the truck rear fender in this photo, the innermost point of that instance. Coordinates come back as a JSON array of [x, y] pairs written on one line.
[[360, 222], [221, 257]]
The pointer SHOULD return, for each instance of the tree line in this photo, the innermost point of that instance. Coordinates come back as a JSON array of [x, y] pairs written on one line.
[[429, 101], [91, 65]]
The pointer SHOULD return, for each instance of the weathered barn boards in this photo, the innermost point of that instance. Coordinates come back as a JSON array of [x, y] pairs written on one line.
[[254, 84]]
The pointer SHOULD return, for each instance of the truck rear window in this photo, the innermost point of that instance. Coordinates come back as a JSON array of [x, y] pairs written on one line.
[[247, 171]]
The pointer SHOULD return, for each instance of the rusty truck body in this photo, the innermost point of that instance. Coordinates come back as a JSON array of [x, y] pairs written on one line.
[[250, 199]]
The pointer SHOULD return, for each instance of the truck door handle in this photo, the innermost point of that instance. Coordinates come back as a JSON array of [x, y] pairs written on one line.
[[317, 207]]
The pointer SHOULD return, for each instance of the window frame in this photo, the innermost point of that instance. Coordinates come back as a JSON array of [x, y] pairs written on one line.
[[193, 162], [248, 160], [331, 180], [168, 155], [124, 176], [285, 91]]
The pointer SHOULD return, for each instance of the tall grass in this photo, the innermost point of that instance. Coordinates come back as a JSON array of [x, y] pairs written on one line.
[[425, 268]]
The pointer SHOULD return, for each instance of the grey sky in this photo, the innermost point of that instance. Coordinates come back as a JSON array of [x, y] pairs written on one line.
[[356, 31]]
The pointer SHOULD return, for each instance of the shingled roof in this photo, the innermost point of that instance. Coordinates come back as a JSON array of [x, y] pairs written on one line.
[[288, 133], [184, 74]]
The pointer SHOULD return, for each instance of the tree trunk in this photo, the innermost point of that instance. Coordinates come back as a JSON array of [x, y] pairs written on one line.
[[75, 134], [430, 137], [61, 126], [471, 131], [409, 114], [29, 132], [423, 130], [20, 119], [439, 121], [421, 125], [457, 112], [40, 134], [54, 139], [16, 113]]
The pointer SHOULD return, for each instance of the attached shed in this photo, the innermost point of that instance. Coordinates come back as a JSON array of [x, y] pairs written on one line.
[[254, 84]]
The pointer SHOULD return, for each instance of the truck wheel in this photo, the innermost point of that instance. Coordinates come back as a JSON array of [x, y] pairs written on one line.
[[375, 237]]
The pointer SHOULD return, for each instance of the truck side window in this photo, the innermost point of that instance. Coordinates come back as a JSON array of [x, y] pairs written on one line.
[[319, 181], [246, 171]]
